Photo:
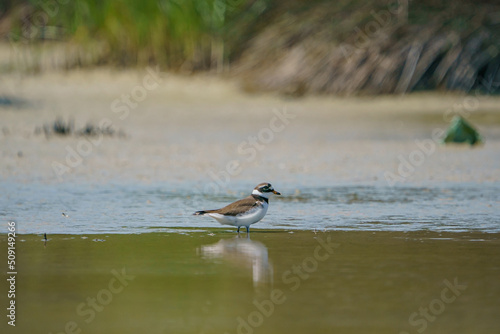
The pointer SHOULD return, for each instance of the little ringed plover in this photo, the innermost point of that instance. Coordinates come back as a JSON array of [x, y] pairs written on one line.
[[244, 212]]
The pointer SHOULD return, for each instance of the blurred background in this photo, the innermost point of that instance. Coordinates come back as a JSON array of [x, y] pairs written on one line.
[[205, 99], [377, 120], [207, 93], [294, 47]]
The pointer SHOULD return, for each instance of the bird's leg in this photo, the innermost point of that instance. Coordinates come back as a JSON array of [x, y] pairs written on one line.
[[248, 229], [238, 229]]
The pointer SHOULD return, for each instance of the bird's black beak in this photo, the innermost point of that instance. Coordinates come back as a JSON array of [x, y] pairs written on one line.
[[276, 192]]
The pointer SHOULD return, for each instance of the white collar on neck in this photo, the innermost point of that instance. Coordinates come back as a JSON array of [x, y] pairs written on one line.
[[258, 193]]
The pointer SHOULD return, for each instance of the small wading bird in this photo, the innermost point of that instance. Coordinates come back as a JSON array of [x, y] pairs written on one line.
[[244, 212]]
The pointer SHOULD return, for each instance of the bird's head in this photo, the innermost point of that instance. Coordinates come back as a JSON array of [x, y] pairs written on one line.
[[265, 190]]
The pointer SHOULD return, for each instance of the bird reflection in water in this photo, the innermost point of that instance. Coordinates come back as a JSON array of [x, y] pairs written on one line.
[[242, 252]]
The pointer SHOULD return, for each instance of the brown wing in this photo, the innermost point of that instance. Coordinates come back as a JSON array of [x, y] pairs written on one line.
[[237, 207]]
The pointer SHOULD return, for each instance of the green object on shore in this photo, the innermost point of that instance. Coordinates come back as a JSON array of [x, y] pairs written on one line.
[[461, 131]]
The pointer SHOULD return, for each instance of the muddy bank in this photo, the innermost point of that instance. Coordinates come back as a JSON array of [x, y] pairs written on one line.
[[191, 128]]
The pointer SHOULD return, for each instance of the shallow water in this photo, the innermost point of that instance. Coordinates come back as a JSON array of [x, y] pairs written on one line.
[[139, 208], [188, 281], [329, 159]]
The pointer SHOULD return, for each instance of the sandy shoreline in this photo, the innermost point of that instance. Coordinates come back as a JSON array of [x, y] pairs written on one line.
[[184, 127]]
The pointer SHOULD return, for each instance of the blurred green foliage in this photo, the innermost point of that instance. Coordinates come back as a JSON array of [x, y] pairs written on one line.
[[293, 46], [196, 34]]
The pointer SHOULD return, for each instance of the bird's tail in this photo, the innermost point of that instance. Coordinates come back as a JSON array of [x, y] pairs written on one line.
[[199, 213]]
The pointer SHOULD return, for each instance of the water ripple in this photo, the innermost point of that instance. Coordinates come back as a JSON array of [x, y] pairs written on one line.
[[141, 208]]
